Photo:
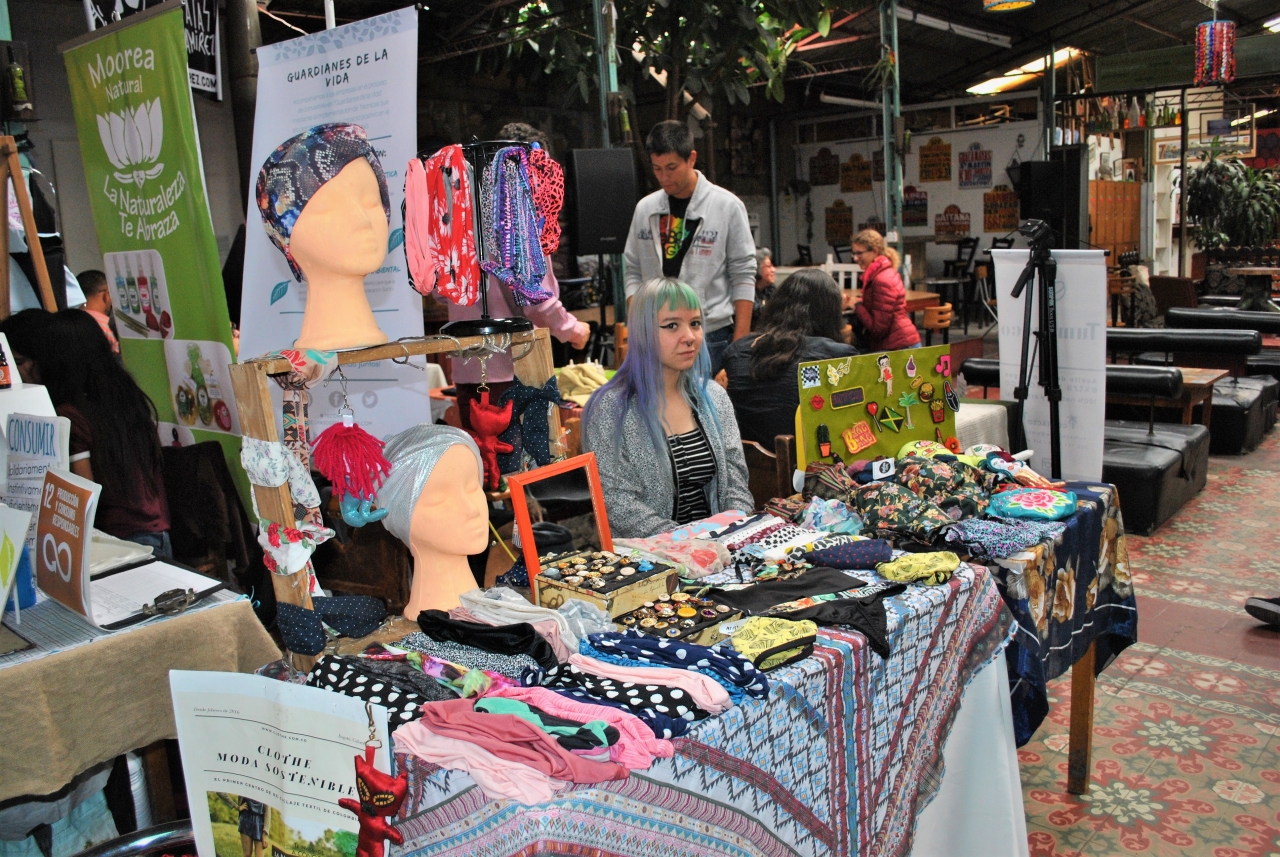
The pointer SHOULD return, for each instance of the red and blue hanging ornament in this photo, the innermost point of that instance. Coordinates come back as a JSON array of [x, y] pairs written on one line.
[[380, 798], [1215, 51], [352, 460]]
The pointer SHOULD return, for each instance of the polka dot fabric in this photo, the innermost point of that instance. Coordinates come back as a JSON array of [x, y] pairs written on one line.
[[865, 554], [352, 615], [631, 648], [302, 629], [669, 701], [344, 674]]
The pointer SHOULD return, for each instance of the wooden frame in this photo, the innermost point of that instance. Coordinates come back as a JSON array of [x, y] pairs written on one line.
[[11, 167], [258, 420], [518, 482]]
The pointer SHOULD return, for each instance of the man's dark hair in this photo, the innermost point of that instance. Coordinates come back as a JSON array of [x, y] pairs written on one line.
[[525, 133], [668, 137], [91, 282]]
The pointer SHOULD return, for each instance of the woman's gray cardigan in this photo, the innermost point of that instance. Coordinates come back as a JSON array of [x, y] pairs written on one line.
[[638, 481]]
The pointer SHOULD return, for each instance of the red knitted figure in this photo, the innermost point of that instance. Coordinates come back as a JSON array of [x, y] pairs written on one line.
[[487, 422], [380, 797]]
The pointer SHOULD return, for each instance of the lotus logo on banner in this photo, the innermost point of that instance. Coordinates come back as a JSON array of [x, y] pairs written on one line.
[[132, 140]]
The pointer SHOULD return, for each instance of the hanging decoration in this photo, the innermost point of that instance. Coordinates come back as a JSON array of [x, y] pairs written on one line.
[[380, 798], [1006, 5], [547, 181], [1215, 51]]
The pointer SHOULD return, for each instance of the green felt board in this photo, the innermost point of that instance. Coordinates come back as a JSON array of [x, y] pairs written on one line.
[[843, 408]]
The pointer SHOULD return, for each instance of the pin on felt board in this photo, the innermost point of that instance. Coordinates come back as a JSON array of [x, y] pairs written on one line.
[[886, 373], [891, 418], [949, 393], [938, 412], [810, 377], [917, 382], [943, 366], [926, 392], [911, 367], [824, 440], [873, 408], [817, 403], [905, 401], [836, 371], [847, 398], [858, 437]]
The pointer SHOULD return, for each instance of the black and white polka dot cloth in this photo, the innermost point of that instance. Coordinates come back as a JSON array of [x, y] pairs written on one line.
[[345, 674], [669, 701]]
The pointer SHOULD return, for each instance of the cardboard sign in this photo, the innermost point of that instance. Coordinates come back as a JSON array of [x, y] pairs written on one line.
[[13, 532], [824, 168], [915, 207], [975, 166], [63, 534], [999, 209], [935, 161], [885, 398], [855, 174], [951, 222], [839, 223]]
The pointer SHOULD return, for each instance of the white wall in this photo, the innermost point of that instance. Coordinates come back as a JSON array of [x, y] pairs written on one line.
[[44, 24], [1001, 140]]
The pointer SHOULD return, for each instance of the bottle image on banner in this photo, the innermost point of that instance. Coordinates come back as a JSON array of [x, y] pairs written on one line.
[[121, 288], [135, 305], [200, 370], [203, 406]]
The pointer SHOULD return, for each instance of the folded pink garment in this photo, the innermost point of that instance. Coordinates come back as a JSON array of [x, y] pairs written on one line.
[[548, 629], [636, 748], [705, 692], [509, 737], [498, 778]]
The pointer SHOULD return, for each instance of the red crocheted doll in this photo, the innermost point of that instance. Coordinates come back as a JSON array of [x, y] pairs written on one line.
[[487, 422]]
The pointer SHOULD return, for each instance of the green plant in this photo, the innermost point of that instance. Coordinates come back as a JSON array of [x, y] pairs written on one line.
[[1230, 204]]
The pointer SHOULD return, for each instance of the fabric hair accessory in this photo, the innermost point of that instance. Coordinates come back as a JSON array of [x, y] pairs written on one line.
[[351, 615], [1037, 503], [769, 642], [413, 454], [299, 167], [380, 798], [302, 629], [530, 428], [351, 459], [928, 568], [546, 179], [510, 222], [439, 227]]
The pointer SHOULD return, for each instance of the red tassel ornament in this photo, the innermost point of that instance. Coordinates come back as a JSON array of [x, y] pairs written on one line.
[[380, 797], [350, 458]]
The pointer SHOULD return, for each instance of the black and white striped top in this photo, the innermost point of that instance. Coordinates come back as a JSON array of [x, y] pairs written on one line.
[[695, 467]]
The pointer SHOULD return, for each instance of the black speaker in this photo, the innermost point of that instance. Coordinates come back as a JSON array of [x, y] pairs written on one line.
[[602, 198]]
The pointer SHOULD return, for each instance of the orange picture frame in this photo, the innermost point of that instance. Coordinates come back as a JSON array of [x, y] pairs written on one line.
[[517, 482]]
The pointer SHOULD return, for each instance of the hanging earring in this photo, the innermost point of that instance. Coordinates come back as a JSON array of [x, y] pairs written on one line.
[[351, 459]]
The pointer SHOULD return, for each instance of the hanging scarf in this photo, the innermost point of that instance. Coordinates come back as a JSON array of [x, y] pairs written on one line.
[[439, 227], [511, 228], [547, 180]]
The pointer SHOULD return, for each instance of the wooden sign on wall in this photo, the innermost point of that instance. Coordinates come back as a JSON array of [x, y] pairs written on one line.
[[824, 168], [935, 161], [951, 222], [999, 209], [839, 223], [855, 174]]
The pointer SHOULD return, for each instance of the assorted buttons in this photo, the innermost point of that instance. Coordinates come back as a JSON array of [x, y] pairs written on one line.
[[599, 571]]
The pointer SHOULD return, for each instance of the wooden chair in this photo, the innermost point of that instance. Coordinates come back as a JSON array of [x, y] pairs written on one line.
[[619, 344], [962, 266], [769, 473], [841, 251], [805, 254], [937, 318]]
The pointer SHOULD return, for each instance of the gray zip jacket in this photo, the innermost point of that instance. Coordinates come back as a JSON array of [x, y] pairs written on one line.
[[721, 262], [639, 481]]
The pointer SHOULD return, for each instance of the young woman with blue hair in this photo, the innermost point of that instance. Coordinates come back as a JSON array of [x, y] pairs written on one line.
[[665, 437]]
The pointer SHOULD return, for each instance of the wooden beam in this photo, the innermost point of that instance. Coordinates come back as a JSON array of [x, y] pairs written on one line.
[[398, 350], [9, 151], [4, 269]]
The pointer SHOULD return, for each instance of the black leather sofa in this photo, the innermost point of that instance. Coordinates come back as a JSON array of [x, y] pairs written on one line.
[[1156, 468]]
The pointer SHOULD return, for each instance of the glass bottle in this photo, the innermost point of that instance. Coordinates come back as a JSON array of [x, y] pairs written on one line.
[[17, 84], [6, 374]]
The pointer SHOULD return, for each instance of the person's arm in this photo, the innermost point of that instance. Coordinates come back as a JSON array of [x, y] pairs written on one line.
[[734, 493], [740, 264], [552, 315], [873, 316], [627, 489], [83, 468], [631, 254], [742, 318]]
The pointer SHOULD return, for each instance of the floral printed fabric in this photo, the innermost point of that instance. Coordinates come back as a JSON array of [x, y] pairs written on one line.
[[828, 481], [958, 489], [830, 516], [1000, 538], [891, 511], [632, 648], [1042, 503], [511, 666], [696, 558]]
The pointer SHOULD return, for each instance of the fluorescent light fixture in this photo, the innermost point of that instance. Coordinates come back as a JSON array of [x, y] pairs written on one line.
[[957, 29], [1273, 25], [1016, 77], [1257, 114], [848, 102]]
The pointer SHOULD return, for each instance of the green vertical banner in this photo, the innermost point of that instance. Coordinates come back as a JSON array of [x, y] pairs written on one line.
[[141, 154]]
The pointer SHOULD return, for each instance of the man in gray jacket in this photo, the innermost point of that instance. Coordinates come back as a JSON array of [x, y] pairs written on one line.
[[698, 233]]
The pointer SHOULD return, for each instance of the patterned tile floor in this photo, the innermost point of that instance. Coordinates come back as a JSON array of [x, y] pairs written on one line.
[[1186, 747]]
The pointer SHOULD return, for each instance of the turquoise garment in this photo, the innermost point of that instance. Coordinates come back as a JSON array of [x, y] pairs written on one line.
[[571, 735]]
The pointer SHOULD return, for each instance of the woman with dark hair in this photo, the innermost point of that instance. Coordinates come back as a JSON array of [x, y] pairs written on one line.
[[802, 322], [113, 429], [664, 436]]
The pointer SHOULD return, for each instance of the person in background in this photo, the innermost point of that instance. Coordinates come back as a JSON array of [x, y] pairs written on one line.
[[550, 314], [765, 279], [882, 319], [97, 302], [698, 233], [802, 322], [665, 437], [28, 340], [114, 439]]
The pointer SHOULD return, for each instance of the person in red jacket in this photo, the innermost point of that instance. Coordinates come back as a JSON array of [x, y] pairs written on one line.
[[882, 311]]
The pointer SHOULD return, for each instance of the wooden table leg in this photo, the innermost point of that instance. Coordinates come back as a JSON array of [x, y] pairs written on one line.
[[1207, 412], [1188, 408], [1080, 749], [155, 764]]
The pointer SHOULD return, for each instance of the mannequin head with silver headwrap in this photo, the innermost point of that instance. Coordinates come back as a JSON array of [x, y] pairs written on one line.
[[436, 505]]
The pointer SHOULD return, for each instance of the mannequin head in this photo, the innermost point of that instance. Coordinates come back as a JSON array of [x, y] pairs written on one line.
[[435, 504], [324, 204]]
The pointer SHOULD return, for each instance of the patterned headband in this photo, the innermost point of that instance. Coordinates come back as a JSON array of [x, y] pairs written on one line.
[[299, 167]]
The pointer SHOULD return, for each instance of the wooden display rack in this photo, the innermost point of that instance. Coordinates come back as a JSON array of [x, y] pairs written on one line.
[[257, 420], [11, 167]]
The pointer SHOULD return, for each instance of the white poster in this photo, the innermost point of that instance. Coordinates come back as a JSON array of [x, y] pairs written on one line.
[[200, 385], [1081, 294], [273, 758], [364, 73], [35, 443]]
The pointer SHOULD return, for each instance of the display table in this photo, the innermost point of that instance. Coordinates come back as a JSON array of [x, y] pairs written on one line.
[[840, 758], [978, 423], [1074, 605], [83, 696]]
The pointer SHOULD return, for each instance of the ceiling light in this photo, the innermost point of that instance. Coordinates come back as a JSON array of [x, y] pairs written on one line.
[[1006, 5], [1273, 25], [1016, 77]]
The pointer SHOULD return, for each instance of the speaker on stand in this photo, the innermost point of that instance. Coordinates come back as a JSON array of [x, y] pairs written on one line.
[[601, 186]]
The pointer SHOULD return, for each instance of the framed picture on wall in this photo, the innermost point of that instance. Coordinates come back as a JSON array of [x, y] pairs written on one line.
[[1168, 151]]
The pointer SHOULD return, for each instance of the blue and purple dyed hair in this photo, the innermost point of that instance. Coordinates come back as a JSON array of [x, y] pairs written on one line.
[[639, 379]]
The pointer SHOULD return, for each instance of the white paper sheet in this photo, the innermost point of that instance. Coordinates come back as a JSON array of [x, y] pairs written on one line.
[[118, 596]]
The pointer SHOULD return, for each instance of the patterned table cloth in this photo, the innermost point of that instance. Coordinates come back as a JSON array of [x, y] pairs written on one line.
[[839, 759], [1066, 593]]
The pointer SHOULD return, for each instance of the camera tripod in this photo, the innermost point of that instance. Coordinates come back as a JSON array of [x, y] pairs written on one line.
[[1043, 268]]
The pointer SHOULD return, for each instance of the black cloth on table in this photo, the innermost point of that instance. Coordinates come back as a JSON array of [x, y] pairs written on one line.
[[516, 639]]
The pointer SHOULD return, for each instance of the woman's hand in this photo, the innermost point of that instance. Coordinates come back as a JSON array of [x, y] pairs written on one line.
[[848, 300], [581, 333]]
